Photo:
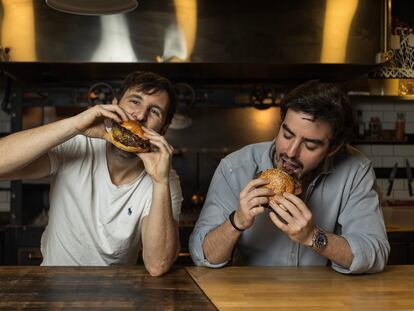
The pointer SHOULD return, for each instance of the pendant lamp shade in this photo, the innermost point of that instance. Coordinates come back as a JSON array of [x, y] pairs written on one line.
[[93, 7]]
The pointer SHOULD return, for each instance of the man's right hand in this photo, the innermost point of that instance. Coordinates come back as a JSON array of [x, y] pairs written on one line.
[[251, 201], [91, 122]]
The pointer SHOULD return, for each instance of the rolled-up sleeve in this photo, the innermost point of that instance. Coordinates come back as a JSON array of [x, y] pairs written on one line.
[[362, 225], [220, 202]]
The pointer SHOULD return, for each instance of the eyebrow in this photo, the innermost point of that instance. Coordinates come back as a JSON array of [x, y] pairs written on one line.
[[134, 95], [310, 140]]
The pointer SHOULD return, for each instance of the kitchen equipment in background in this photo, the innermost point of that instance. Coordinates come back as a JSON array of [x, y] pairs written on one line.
[[392, 178], [263, 97], [409, 177], [101, 93], [197, 198], [93, 7], [185, 100]]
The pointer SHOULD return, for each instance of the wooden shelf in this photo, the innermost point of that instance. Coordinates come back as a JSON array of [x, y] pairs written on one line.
[[409, 140], [382, 98]]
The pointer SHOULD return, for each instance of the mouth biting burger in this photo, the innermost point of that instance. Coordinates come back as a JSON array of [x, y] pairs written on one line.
[[129, 136], [291, 167]]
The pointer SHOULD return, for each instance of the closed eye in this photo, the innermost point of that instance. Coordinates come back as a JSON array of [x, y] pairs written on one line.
[[155, 111], [311, 146]]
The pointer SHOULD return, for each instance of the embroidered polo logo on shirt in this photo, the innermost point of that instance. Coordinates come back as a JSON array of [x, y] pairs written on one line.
[[129, 211]]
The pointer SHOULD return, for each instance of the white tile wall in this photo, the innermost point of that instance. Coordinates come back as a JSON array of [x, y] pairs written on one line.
[[399, 189], [387, 155], [387, 112], [4, 201], [382, 150], [4, 122], [4, 184], [4, 207]]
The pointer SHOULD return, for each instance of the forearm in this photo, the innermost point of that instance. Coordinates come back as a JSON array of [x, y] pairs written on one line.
[[338, 250], [160, 236], [219, 243], [21, 148]]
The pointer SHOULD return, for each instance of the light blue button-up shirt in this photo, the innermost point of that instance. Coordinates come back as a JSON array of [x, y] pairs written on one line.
[[342, 199]]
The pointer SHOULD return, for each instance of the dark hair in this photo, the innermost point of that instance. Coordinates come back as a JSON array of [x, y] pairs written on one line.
[[325, 102], [151, 83]]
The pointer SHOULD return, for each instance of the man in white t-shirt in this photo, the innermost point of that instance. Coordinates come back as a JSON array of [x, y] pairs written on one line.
[[105, 204]]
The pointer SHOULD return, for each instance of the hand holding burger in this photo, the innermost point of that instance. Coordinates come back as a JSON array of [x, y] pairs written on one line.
[[280, 182]]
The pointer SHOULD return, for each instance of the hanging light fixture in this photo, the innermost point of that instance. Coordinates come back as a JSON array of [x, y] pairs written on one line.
[[93, 7]]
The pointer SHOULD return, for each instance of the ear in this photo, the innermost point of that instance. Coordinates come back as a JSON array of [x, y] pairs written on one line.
[[114, 101], [335, 150]]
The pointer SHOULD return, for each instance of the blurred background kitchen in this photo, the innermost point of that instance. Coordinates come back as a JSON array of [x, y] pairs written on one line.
[[231, 63]]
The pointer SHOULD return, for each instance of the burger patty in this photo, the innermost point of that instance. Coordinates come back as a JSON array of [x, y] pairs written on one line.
[[128, 138]]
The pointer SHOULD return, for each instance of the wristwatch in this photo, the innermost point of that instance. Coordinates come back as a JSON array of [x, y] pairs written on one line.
[[319, 239]]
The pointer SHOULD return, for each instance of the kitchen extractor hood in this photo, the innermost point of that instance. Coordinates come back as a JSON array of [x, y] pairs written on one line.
[[93, 7], [263, 39]]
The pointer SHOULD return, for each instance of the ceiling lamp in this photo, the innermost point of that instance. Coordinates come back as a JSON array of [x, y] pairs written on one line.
[[93, 7]]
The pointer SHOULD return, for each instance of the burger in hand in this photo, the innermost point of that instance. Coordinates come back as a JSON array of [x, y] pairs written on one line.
[[129, 136], [280, 181]]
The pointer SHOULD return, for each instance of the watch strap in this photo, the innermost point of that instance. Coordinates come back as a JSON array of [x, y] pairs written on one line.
[[231, 218]]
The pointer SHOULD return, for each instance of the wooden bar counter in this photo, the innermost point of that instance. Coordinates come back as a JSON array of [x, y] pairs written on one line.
[[99, 288], [312, 288]]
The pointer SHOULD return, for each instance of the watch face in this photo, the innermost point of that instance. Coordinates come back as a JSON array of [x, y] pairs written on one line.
[[320, 240]]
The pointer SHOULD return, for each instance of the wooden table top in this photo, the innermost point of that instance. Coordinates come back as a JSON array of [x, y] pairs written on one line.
[[311, 288], [98, 288]]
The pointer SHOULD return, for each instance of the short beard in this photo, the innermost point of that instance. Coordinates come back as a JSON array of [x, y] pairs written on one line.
[[123, 154]]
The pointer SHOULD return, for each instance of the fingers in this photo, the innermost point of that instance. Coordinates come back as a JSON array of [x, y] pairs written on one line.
[[158, 141], [282, 226], [294, 212], [258, 201], [256, 211], [114, 112], [288, 206], [255, 183], [299, 204], [282, 211]]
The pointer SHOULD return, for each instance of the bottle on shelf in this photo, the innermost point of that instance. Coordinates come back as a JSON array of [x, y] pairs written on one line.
[[375, 128], [360, 125], [400, 127]]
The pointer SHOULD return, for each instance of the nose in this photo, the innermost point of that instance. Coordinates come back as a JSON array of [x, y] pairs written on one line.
[[293, 150], [140, 115]]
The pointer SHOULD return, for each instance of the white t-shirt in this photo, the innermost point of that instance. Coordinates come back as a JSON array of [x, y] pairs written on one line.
[[91, 220]]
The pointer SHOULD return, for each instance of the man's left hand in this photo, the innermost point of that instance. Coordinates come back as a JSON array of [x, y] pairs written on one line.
[[299, 225], [157, 163]]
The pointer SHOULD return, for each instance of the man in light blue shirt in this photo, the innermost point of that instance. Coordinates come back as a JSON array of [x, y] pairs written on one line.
[[336, 219]]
